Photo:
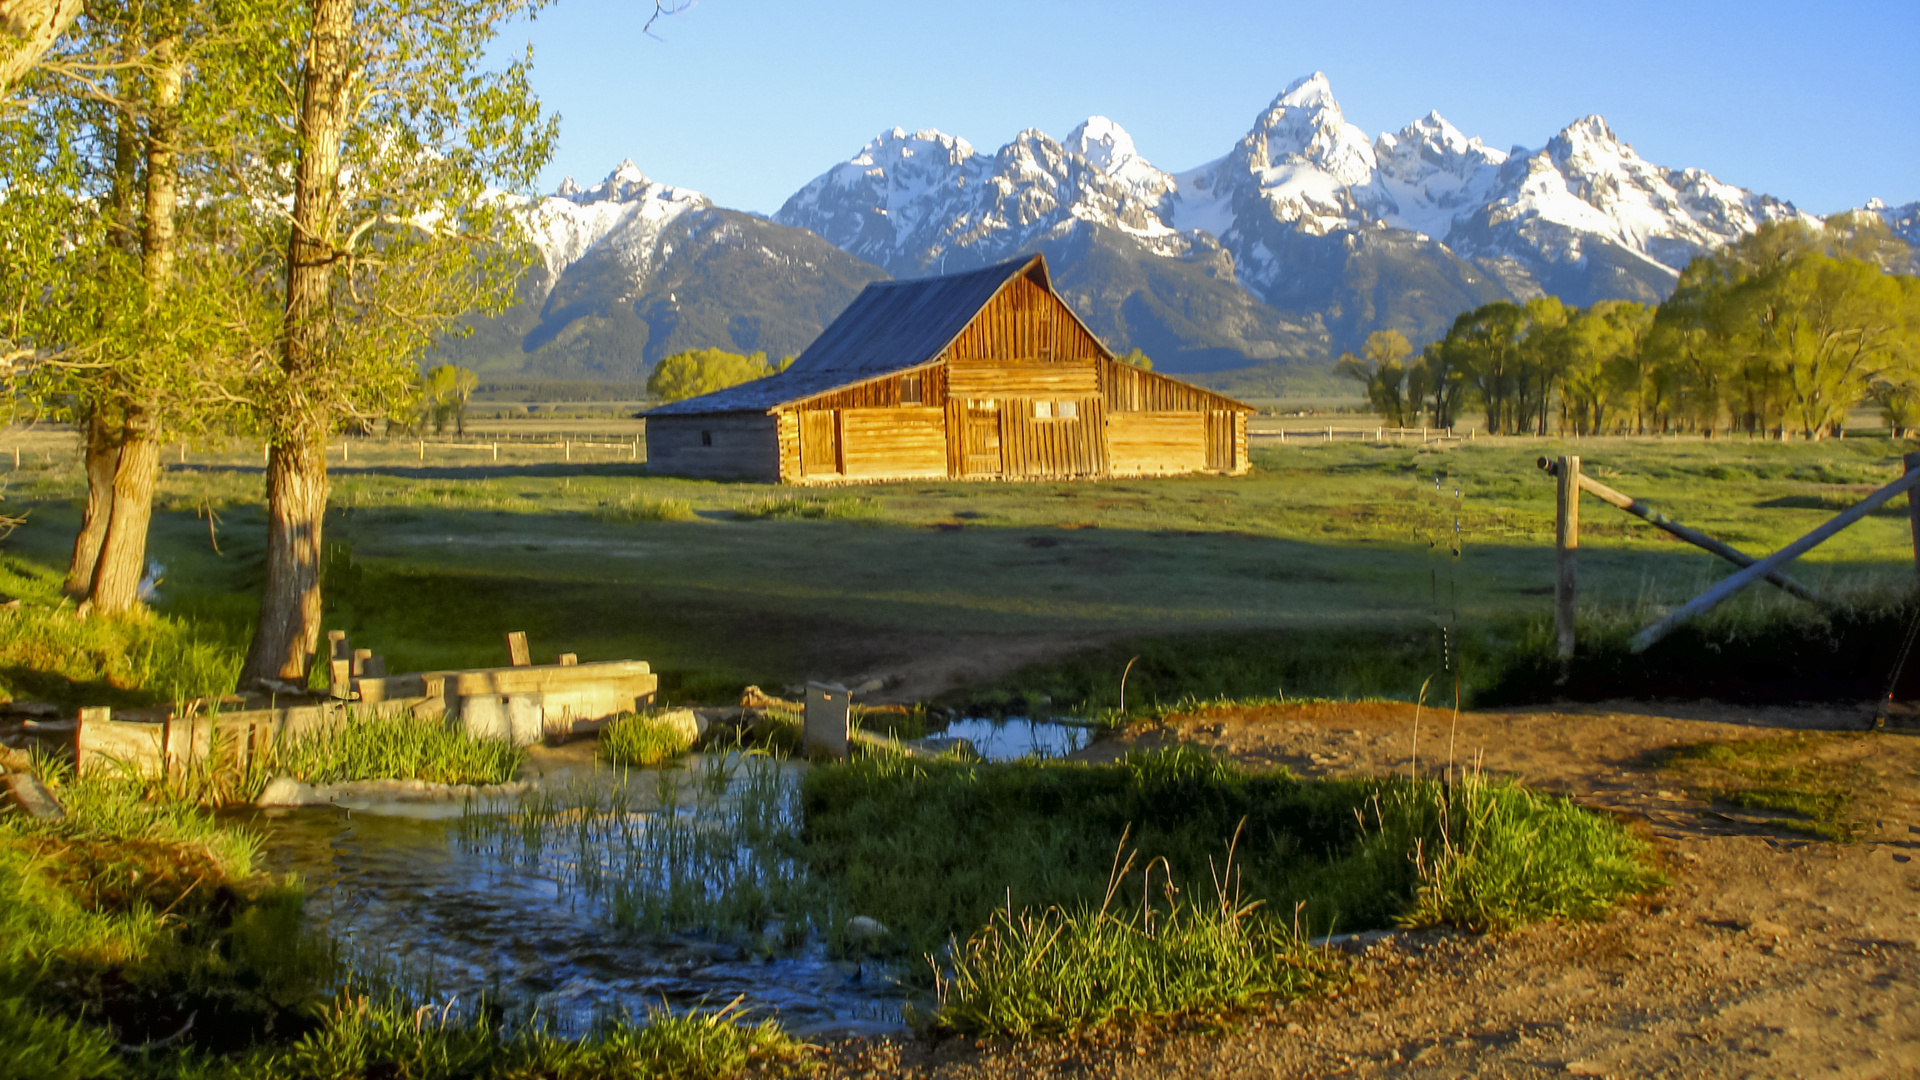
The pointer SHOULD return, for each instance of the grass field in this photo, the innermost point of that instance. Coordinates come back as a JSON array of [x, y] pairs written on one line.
[[945, 583]]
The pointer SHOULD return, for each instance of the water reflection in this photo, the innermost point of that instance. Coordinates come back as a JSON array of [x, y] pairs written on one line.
[[1017, 737]]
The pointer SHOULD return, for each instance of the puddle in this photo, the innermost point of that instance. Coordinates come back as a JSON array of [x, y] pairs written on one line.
[[1017, 737]]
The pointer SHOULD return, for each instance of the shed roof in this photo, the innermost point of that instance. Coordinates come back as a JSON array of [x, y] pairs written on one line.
[[891, 326]]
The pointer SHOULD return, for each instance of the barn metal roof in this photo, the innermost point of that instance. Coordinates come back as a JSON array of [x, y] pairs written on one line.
[[891, 326]]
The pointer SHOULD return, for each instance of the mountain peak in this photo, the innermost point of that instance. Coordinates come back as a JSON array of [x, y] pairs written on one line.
[[1591, 128], [1308, 92], [1105, 144]]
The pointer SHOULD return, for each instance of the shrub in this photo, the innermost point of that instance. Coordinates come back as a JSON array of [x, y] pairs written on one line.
[[642, 740], [637, 509]]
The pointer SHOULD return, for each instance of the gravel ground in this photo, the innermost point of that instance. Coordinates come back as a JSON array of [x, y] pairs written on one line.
[[1770, 955]]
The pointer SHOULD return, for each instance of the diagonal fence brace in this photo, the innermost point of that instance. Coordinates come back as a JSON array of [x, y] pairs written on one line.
[[1692, 536], [1742, 578]]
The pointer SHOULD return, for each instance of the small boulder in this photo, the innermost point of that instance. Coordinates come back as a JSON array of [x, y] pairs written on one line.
[[865, 930], [684, 722], [286, 791]]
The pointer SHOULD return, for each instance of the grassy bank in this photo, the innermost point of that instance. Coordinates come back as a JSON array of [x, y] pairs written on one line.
[[1040, 897], [137, 940]]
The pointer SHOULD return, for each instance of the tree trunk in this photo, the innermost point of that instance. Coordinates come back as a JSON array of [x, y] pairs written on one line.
[[123, 553], [28, 28], [289, 623], [103, 460]]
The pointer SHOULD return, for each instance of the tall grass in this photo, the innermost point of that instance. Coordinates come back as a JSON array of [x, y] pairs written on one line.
[[643, 740], [714, 850], [397, 748], [1761, 646], [636, 508], [810, 507], [1062, 969], [1493, 856]]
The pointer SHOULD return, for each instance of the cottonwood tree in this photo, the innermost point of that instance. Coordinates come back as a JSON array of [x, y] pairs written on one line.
[[702, 371], [133, 309], [394, 127], [28, 28], [1383, 375]]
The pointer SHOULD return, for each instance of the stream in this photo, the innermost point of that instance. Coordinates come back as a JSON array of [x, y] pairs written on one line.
[[407, 891]]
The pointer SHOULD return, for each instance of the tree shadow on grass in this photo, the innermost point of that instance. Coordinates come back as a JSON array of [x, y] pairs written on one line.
[[491, 471]]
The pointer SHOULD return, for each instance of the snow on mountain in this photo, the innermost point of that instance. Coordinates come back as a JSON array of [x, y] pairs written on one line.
[[626, 212], [1434, 174], [927, 202]]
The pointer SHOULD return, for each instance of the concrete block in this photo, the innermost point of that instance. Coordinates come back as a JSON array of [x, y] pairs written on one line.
[[829, 706]]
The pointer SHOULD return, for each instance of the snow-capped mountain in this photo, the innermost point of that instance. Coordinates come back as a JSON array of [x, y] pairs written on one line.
[[1303, 238], [928, 203], [626, 213], [631, 270], [1341, 233]]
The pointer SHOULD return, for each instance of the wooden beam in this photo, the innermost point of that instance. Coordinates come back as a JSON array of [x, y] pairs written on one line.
[[1742, 578], [1566, 549], [1692, 536], [517, 652]]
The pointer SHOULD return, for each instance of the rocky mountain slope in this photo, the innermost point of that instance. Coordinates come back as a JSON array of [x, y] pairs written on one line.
[[630, 270]]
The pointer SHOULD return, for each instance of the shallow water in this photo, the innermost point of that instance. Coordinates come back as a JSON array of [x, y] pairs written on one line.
[[396, 887], [404, 889], [1018, 737]]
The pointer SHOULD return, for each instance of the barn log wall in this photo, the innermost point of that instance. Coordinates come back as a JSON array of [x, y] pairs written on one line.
[[902, 442], [1024, 320], [1033, 447], [885, 392], [1157, 443], [1129, 389], [720, 446]]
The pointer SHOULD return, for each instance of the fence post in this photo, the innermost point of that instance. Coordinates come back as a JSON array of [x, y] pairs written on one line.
[[1566, 547], [1911, 461], [496, 451]]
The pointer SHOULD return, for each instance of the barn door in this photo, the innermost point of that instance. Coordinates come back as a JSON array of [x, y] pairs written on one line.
[[1220, 441], [819, 443], [983, 441]]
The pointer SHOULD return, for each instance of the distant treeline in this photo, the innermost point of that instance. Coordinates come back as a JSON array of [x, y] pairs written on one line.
[[570, 390]]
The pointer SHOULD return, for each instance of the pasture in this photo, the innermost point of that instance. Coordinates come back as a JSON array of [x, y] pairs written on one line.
[[941, 586]]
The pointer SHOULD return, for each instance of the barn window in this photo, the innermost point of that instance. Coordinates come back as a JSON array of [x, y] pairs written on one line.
[[910, 393], [1068, 410], [706, 438], [1043, 410]]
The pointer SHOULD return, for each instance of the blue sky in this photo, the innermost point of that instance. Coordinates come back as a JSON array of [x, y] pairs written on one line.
[[746, 100]]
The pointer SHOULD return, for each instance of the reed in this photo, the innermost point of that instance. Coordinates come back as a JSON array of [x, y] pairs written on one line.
[[396, 748]]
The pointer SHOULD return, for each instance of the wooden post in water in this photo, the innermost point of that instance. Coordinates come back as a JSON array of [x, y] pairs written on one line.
[[339, 664], [1911, 461], [1566, 548]]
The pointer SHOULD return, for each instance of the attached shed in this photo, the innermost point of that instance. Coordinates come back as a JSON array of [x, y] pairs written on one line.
[[981, 375]]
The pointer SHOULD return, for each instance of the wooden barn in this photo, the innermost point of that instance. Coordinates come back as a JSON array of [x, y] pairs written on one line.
[[980, 375]]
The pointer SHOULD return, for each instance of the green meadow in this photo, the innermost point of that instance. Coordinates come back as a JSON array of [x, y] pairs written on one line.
[[720, 584]]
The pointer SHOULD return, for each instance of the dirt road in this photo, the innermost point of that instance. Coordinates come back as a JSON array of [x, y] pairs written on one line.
[[1772, 954]]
